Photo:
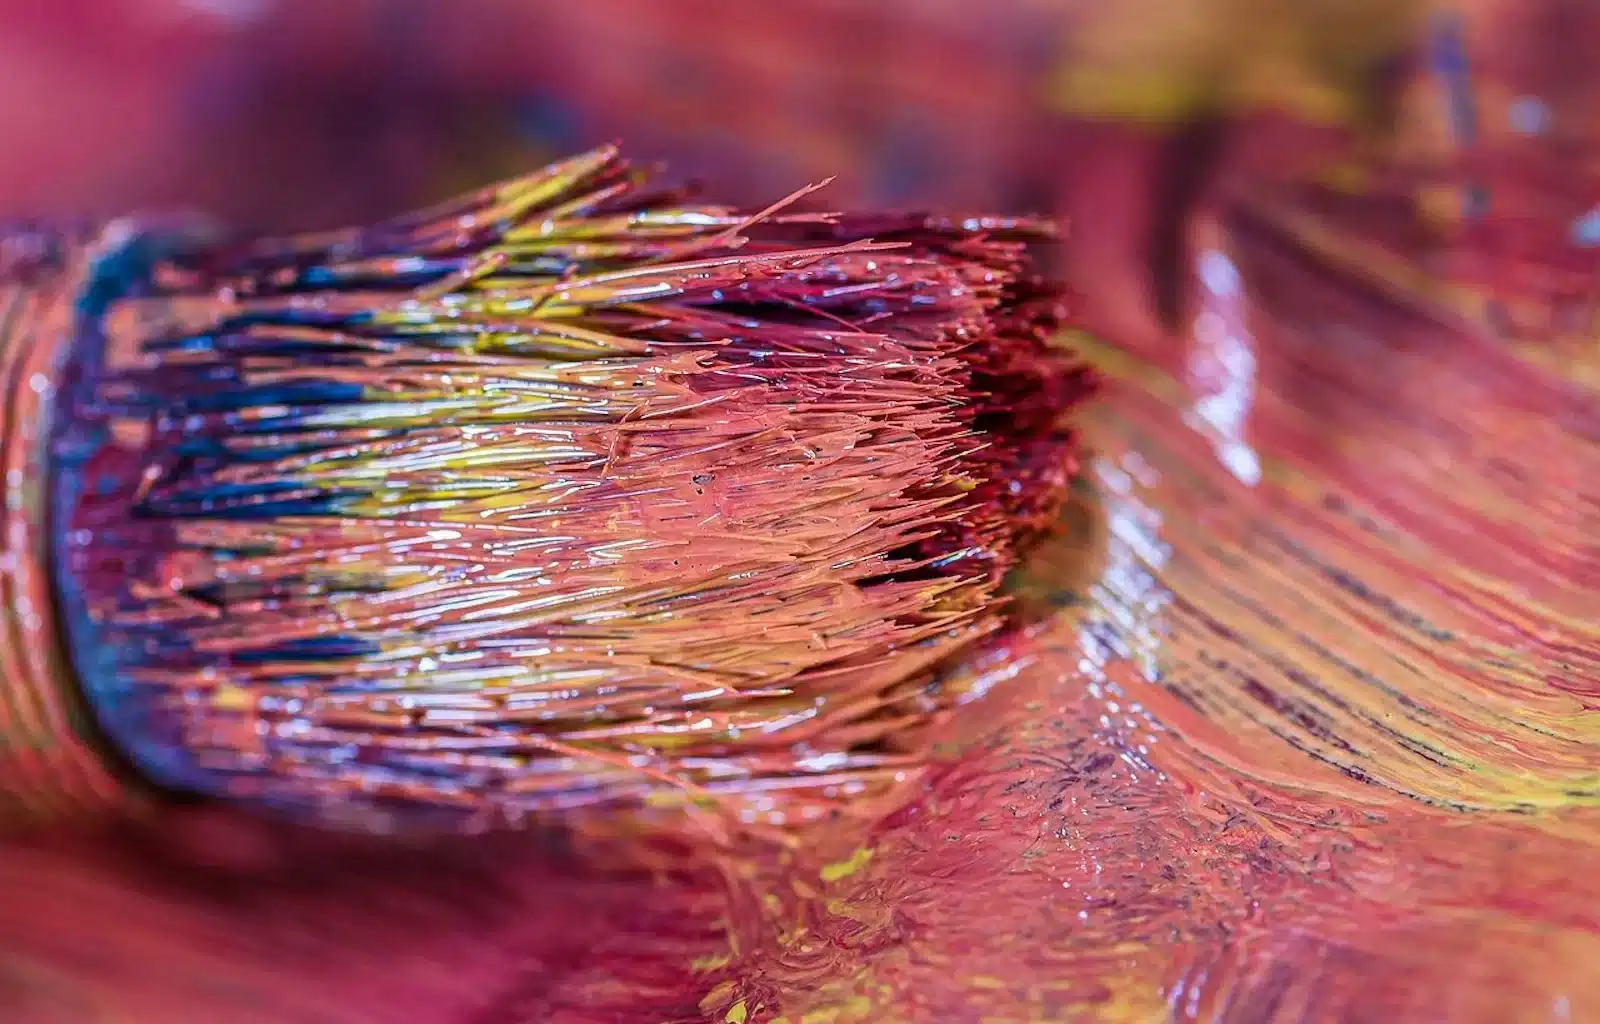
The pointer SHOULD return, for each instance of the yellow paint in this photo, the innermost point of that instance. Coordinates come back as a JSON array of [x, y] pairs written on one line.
[[231, 698], [736, 1013], [1158, 61], [793, 935], [713, 962], [844, 908], [847, 867], [716, 996]]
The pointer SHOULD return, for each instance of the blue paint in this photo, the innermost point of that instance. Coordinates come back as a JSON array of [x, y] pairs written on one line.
[[310, 649], [321, 505], [312, 393], [128, 724], [404, 274]]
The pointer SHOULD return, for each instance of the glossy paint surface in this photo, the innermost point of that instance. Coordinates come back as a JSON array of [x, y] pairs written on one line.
[[573, 498], [1307, 732]]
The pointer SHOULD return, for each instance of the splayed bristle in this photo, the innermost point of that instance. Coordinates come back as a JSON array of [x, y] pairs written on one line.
[[566, 493]]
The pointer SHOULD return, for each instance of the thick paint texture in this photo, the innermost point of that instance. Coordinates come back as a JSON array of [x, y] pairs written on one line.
[[1306, 733], [563, 494]]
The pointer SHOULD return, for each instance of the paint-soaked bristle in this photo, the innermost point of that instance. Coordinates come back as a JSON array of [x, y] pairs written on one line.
[[570, 493]]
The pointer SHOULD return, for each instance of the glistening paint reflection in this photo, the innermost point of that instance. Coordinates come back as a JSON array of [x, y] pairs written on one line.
[[1123, 620], [1222, 367]]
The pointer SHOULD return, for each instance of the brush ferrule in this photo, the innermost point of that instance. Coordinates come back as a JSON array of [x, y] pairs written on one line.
[[50, 760]]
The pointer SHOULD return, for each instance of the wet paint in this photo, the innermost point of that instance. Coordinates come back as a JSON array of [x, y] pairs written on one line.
[[563, 494], [1319, 747]]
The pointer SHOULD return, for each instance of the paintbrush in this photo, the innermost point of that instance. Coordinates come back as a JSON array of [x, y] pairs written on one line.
[[569, 493]]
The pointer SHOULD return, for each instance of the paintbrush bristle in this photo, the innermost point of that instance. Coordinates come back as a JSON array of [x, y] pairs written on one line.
[[570, 493]]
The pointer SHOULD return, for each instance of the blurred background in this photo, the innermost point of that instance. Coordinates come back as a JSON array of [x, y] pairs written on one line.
[[1450, 142]]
